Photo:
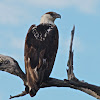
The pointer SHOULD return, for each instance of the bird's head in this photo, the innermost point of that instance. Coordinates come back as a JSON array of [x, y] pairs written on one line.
[[49, 17]]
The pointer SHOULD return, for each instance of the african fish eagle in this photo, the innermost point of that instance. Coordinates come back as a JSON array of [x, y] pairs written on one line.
[[40, 50]]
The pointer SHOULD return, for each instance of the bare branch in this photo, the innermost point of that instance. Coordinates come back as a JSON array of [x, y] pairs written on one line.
[[19, 95], [10, 65], [75, 84], [83, 86], [70, 60]]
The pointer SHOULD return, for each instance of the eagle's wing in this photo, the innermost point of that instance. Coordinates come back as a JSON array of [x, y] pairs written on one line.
[[40, 51], [51, 50]]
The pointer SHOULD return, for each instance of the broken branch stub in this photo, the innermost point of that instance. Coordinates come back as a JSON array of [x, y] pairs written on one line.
[[70, 73]]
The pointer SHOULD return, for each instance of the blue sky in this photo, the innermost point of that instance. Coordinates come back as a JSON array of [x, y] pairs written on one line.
[[16, 16]]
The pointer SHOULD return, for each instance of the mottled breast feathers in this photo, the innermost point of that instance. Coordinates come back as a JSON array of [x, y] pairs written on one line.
[[41, 32]]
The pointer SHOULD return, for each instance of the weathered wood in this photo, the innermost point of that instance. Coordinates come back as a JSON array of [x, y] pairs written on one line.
[[70, 72], [83, 86], [10, 65], [19, 95], [75, 84]]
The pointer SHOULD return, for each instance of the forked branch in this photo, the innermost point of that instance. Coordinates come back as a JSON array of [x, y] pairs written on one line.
[[10, 65]]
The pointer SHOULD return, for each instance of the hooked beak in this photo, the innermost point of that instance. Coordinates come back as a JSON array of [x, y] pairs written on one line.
[[57, 16]]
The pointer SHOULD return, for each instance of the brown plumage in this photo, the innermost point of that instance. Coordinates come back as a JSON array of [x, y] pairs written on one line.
[[41, 46]]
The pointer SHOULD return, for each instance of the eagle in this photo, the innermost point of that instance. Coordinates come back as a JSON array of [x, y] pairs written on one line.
[[41, 45]]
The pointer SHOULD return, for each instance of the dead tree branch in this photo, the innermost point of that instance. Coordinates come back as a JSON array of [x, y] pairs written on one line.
[[19, 95], [70, 60], [10, 65]]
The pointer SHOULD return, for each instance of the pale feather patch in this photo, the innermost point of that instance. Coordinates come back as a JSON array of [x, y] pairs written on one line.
[[28, 60], [36, 73], [40, 36], [35, 69], [48, 30], [26, 83], [29, 88], [34, 27], [44, 61]]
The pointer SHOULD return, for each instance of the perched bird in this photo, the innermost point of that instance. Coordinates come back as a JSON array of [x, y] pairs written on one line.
[[40, 50]]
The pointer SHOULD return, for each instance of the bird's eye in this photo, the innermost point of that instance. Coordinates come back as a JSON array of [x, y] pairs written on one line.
[[52, 14]]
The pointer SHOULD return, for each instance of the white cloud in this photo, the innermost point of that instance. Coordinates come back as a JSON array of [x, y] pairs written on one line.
[[12, 46], [7, 14], [13, 12], [51, 3], [64, 45], [77, 44], [87, 6], [16, 11], [11, 41], [17, 43]]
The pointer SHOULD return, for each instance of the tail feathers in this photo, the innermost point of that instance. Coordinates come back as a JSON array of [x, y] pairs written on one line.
[[35, 74], [32, 92], [27, 89]]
